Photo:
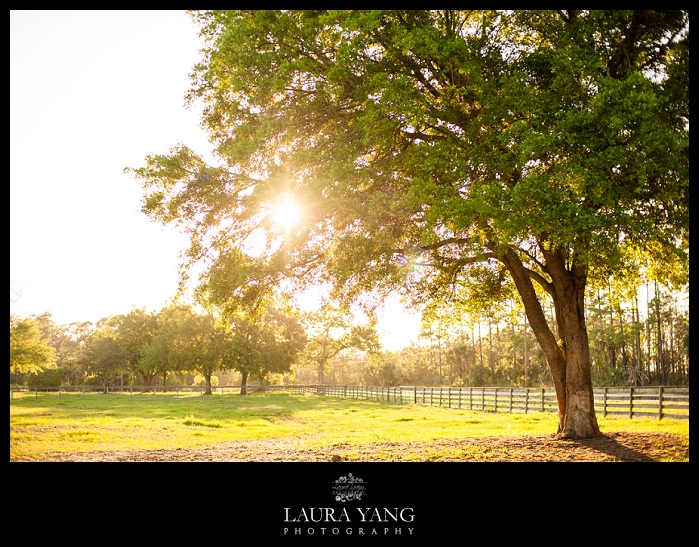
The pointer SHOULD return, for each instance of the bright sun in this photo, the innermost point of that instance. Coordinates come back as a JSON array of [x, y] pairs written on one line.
[[286, 213]]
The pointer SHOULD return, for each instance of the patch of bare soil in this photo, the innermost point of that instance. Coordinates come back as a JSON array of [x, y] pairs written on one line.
[[610, 447]]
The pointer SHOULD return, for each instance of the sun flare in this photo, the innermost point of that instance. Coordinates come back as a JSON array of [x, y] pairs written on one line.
[[286, 213]]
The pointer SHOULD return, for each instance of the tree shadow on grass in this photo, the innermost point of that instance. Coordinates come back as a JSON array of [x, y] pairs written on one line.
[[612, 448]]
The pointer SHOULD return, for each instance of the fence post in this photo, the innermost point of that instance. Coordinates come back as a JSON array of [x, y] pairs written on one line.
[[604, 403], [470, 398], [660, 403], [543, 408], [510, 399], [630, 402], [36, 392], [495, 402], [526, 399], [459, 398], [482, 398]]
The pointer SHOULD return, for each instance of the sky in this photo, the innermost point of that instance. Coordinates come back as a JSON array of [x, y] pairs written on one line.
[[93, 92]]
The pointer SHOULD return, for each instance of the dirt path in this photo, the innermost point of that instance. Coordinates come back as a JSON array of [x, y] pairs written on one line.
[[611, 447]]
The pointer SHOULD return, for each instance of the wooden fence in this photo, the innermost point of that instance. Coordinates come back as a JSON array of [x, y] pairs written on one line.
[[154, 390], [659, 402]]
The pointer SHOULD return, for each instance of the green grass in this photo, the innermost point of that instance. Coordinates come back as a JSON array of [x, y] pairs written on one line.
[[95, 422]]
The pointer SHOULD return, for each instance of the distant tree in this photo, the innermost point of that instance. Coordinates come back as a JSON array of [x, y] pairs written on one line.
[[67, 340], [330, 331], [203, 346], [103, 356], [165, 350], [29, 352], [134, 331], [246, 353], [282, 338], [381, 372], [269, 344]]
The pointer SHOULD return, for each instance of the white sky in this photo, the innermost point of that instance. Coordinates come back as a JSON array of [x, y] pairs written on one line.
[[92, 92]]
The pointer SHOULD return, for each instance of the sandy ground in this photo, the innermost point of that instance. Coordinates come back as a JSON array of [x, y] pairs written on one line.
[[610, 447]]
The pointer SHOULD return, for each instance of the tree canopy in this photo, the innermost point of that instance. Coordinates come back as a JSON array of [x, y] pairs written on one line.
[[435, 151]]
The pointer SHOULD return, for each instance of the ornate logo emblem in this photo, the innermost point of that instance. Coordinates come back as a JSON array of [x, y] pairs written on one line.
[[349, 488]]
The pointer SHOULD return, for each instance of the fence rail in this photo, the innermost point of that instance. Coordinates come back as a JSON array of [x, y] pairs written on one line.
[[154, 390], [660, 402]]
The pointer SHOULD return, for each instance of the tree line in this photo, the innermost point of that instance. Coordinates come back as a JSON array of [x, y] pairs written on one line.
[[499, 349], [638, 337], [181, 344]]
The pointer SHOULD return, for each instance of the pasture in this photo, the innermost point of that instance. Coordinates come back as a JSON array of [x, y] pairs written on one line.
[[285, 427]]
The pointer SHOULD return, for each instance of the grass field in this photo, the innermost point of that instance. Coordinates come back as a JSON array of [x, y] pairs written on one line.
[[98, 423]]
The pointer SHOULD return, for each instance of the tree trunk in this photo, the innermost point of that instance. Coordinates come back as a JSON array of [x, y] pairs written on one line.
[[569, 357], [321, 371], [637, 338], [147, 378], [525, 357], [244, 382], [207, 380], [662, 372], [491, 359], [624, 358], [648, 341]]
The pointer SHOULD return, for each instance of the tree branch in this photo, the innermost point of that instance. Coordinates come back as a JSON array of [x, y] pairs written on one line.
[[433, 246], [541, 280]]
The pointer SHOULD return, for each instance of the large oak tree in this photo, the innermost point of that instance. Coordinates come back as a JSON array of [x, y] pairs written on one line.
[[435, 150]]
